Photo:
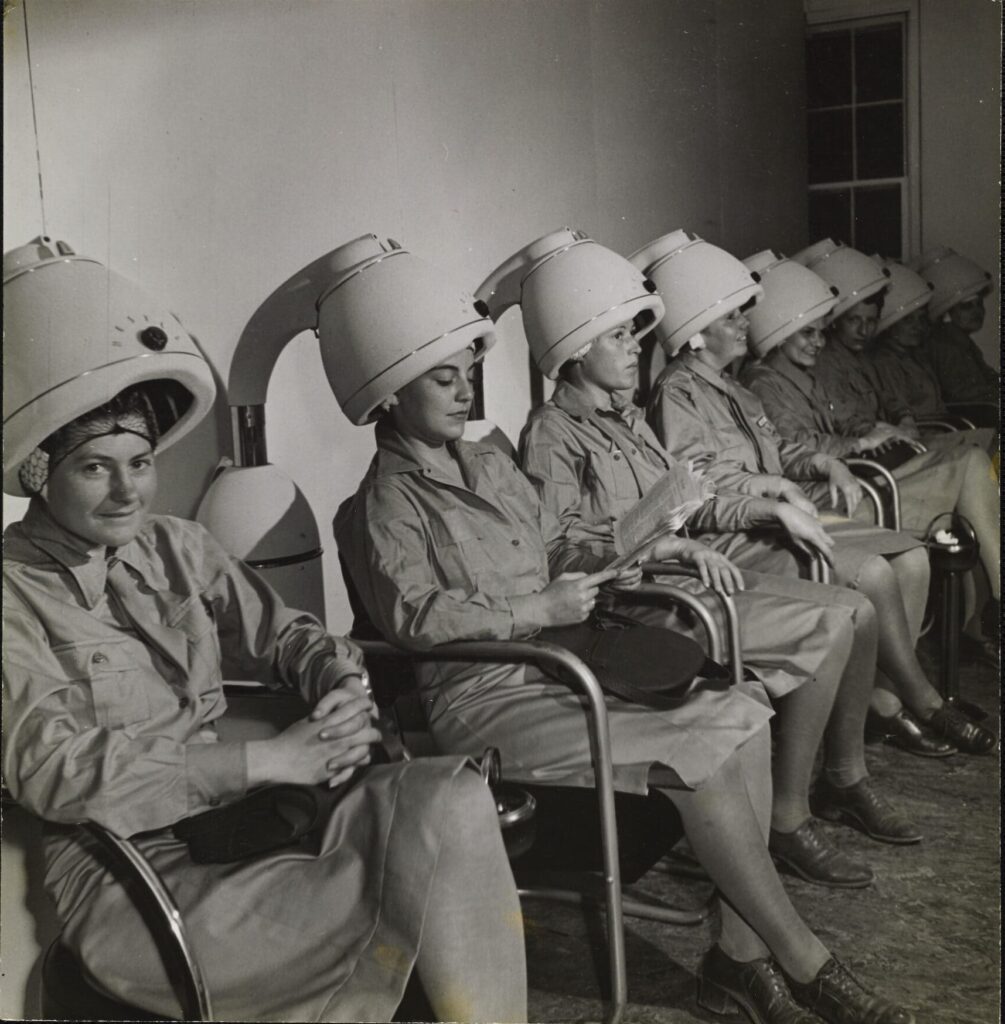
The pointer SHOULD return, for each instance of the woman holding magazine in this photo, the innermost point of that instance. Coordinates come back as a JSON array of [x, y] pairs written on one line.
[[593, 460], [447, 540]]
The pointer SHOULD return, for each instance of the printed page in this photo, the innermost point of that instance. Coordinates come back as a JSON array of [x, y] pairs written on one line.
[[675, 497]]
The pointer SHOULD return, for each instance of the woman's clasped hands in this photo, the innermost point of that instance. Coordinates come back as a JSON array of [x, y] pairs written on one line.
[[327, 746]]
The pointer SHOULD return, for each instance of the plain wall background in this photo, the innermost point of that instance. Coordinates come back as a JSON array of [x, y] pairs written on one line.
[[210, 149], [961, 138]]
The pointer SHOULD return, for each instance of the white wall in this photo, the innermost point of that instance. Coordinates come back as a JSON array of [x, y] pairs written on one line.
[[960, 137], [210, 149]]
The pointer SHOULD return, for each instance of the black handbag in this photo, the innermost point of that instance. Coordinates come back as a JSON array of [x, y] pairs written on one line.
[[642, 664], [267, 819]]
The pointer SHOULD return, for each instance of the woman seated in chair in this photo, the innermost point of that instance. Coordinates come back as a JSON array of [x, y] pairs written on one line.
[[835, 414], [447, 540], [592, 459], [905, 376], [702, 414], [960, 289], [118, 627]]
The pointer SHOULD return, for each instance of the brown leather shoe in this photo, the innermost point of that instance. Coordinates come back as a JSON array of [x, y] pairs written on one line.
[[863, 808], [757, 987], [814, 858], [958, 729], [840, 998], [903, 730]]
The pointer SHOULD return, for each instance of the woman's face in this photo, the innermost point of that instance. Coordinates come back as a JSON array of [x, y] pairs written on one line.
[[612, 363], [968, 315], [726, 338], [803, 347], [101, 492], [435, 406], [909, 331], [855, 328]]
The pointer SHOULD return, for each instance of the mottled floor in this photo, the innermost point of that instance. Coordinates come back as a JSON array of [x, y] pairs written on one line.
[[927, 932]]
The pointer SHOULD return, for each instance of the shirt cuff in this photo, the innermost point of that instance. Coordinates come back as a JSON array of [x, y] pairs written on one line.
[[216, 772]]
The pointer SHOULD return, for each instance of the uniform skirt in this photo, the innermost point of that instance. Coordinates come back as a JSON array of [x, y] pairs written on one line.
[[540, 726], [290, 936]]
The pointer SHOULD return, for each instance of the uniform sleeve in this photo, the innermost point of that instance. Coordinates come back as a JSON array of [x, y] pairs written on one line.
[[263, 639], [391, 560], [685, 433], [555, 465], [63, 765], [795, 419]]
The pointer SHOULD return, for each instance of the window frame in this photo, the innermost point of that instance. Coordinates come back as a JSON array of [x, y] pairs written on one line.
[[844, 14]]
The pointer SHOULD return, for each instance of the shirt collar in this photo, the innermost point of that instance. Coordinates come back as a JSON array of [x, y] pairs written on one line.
[[700, 369], [784, 367], [395, 453], [581, 405], [88, 564]]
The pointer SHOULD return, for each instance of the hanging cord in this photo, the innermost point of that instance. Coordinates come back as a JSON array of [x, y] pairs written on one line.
[[34, 116]]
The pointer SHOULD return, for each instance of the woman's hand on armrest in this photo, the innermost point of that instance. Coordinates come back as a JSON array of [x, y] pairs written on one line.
[[326, 746], [805, 531], [716, 570]]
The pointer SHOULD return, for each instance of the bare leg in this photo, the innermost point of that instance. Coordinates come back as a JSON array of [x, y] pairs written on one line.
[[879, 581], [471, 957], [844, 740], [978, 501], [802, 719], [727, 837]]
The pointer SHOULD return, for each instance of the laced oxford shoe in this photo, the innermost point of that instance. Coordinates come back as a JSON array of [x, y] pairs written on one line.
[[757, 987], [863, 808], [903, 730], [837, 996], [968, 736], [814, 858]]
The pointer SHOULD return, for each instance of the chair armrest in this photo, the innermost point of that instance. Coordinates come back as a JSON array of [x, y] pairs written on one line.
[[981, 414], [947, 424], [161, 914], [725, 601], [864, 468], [572, 671]]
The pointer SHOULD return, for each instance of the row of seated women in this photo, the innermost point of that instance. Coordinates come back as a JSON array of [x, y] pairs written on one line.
[[121, 625]]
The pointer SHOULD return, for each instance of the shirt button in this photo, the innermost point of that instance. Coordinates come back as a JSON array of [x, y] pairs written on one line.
[[184, 703], [515, 543], [99, 658], [214, 801], [617, 458]]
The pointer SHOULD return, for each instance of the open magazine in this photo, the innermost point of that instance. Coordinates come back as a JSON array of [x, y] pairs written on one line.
[[665, 508]]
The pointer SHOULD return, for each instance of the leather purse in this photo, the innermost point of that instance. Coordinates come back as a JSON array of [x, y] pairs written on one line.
[[645, 665], [267, 819]]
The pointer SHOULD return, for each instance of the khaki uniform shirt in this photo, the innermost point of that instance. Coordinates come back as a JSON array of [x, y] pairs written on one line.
[[907, 379], [709, 418], [849, 382], [959, 364], [592, 465], [797, 405], [107, 723]]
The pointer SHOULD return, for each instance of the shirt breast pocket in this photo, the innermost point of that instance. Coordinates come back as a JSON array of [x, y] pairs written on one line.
[[118, 689], [460, 547], [609, 471]]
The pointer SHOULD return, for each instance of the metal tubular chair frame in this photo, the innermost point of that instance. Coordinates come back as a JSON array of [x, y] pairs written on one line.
[[948, 424], [875, 468], [726, 602], [166, 926], [877, 502], [570, 669]]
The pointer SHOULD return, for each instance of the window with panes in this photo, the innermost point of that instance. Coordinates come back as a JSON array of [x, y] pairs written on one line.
[[857, 142]]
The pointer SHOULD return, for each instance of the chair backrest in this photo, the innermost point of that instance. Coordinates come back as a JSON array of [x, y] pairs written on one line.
[[390, 678]]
